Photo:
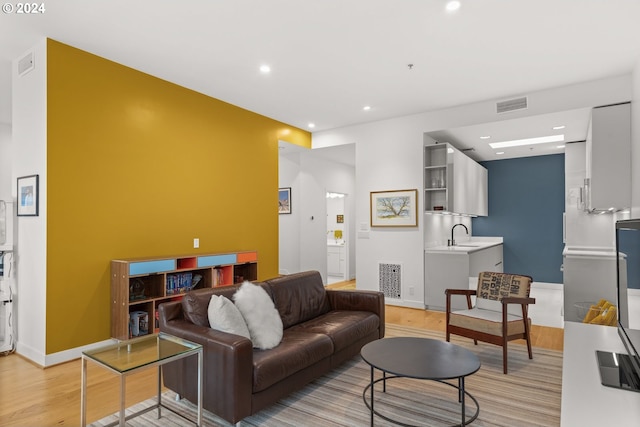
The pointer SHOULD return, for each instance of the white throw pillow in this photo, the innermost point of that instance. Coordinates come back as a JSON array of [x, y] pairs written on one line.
[[263, 320], [224, 316]]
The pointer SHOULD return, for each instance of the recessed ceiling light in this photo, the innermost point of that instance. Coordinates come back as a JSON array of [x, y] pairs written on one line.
[[560, 146], [265, 69], [527, 141], [452, 6], [558, 127], [311, 125], [366, 108], [500, 152], [485, 137]]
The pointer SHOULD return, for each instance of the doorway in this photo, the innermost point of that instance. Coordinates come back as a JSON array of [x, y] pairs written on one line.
[[337, 239]]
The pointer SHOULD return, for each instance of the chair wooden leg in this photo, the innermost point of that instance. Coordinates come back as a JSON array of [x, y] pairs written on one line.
[[504, 356]]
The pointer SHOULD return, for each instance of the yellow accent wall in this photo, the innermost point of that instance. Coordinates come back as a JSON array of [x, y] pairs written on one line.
[[137, 166]]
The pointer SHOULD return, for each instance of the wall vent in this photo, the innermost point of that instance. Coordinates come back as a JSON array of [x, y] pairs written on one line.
[[390, 279], [25, 64], [511, 105]]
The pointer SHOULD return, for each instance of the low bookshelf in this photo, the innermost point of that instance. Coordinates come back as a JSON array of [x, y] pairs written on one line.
[[140, 285]]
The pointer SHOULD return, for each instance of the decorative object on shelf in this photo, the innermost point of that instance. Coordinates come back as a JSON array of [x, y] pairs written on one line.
[[28, 195], [284, 200], [194, 282], [397, 208], [136, 289]]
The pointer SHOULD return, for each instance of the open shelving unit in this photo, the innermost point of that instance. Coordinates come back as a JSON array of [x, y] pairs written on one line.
[[437, 175], [139, 286]]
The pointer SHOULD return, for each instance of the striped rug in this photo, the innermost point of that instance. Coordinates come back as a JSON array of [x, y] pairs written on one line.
[[528, 396]]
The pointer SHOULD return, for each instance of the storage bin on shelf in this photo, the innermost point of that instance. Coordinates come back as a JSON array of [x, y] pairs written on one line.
[[601, 313]]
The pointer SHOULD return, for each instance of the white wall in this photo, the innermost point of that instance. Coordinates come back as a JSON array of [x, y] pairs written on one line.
[[289, 224], [303, 234], [6, 154], [635, 143], [29, 146], [389, 157]]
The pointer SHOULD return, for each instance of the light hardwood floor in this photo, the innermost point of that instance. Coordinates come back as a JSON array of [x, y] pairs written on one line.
[[32, 396]]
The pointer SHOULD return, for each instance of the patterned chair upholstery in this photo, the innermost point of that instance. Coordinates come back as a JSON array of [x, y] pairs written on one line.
[[500, 314]]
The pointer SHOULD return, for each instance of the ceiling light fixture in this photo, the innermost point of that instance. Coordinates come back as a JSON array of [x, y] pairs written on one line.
[[527, 141], [560, 146], [452, 6], [366, 108], [311, 125], [265, 69], [500, 152], [558, 127], [485, 137]]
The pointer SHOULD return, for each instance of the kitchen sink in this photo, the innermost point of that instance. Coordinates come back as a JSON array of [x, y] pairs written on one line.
[[466, 245]]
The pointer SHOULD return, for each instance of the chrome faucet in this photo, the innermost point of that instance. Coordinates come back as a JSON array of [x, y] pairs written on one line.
[[453, 242]]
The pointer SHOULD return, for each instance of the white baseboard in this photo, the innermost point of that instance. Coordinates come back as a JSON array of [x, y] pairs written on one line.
[[47, 360], [402, 303]]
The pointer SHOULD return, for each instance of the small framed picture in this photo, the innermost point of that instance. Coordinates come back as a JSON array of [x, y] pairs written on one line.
[[284, 200], [28, 195], [398, 208]]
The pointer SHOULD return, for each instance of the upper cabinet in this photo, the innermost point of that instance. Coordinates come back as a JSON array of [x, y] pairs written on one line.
[[453, 182], [608, 180]]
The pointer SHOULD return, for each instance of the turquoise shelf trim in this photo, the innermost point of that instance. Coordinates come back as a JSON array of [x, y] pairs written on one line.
[[214, 260], [149, 267]]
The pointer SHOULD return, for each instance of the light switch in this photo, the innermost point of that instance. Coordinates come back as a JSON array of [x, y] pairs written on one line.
[[196, 243]]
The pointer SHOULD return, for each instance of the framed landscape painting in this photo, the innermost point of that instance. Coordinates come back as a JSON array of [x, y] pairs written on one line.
[[398, 208], [284, 200]]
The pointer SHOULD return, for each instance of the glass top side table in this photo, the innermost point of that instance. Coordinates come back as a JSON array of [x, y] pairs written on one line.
[[129, 356]]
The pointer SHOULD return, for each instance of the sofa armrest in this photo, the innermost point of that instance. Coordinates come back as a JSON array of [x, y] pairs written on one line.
[[359, 300], [228, 366]]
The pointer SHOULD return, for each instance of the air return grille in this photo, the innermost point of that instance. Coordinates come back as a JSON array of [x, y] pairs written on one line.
[[390, 278], [25, 64], [511, 105]]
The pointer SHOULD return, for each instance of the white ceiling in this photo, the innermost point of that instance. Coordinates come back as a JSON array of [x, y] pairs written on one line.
[[330, 58]]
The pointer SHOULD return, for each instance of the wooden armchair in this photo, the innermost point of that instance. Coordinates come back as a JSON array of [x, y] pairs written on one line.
[[500, 314]]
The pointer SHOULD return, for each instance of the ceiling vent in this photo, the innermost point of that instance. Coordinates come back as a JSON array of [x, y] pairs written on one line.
[[25, 64], [511, 105]]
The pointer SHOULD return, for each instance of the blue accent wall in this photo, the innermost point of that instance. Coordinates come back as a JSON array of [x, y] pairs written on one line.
[[526, 203]]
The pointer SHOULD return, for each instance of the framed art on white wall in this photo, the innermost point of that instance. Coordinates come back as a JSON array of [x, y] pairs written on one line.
[[28, 195], [284, 200], [398, 208]]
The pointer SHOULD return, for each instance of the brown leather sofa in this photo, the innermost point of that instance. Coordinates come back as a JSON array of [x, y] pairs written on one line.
[[322, 329]]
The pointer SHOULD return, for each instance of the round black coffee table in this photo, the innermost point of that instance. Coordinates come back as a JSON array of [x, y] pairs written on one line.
[[420, 358]]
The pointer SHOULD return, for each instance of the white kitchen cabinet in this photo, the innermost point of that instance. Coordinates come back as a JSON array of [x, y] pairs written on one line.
[[454, 182], [609, 158], [452, 267], [335, 260]]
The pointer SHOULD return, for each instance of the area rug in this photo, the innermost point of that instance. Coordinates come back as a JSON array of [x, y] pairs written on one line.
[[528, 396]]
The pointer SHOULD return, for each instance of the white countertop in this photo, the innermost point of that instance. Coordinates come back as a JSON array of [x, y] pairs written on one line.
[[467, 246], [333, 243], [585, 401], [586, 251]]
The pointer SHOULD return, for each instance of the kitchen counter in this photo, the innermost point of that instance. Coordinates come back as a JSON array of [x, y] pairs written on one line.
[[474, 244], [452, 266], [335, 244]]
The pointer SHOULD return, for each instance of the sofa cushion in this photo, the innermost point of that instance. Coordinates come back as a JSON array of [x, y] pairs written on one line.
[[342, 326], [224, 316], [263, 320], [299, 297], [297, 350], [195, 304]]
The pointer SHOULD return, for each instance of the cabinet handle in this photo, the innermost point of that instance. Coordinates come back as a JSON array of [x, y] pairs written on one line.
[[498, 264]]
